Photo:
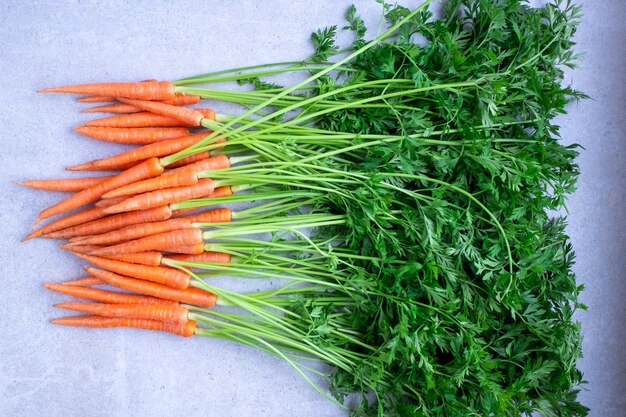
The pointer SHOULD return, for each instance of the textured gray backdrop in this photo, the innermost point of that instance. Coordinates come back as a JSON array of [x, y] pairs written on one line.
[[54, 371]]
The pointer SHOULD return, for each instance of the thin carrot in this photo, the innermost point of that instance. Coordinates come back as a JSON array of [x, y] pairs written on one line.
[[95, 99], [84, 282], [64, 184], [160, 242], [107, 202], [118, 221], [174, 178], [130, 311], [186, 329], [189, 160], [218, 192], [134, 136], [165, 196], [145, 90], [140, 230], [193, 296], [162, 148], [120, 108], [143, 119], [170, 277], [147, 169], [80, 248], [208, 257], [70, 220], [117, 108], [190, 117], [150, 258], [121, 167], [184, 249], [107, 296]]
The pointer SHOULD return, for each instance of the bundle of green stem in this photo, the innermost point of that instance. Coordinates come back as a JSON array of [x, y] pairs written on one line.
[[427, 266]]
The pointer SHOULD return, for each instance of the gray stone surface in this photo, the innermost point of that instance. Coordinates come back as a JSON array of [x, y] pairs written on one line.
[[47, 370]]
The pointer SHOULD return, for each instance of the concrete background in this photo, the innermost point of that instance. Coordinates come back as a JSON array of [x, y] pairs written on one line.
[[54, 371]]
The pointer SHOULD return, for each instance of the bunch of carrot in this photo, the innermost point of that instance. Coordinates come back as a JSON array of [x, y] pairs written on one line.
[[129, 224]]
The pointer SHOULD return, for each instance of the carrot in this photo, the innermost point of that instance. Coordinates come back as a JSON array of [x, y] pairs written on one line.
[[95, 99], [117, 108], [145, 90], [190, 117], [147, 169], [160, 242], [186, 329], [107, 296], [84, 282], [130, 311], [134, 136], [121, 167], [150, 258], [76, 249], [64, 184], [161, 148], [170, 277], [143, 119], [189, 160], [107, 202], [184, 249], [70, 220], [208, 257], [193, 296], [203, 188], [137, 231], [174, 178], [112, 222]]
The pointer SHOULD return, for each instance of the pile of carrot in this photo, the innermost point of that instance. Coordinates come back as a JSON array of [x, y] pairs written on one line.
[[127, 224]]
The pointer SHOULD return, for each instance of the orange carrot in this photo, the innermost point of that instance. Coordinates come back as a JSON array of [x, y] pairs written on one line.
[[186, 329], [174, 178], [165, 196], [130, 311], [121, 167], [84, 282], [218, 192], [107, 202], [193, 296], [70, 220], [190, 117], [137, 231], [80, 248], [143, 119], [145, 90], [157, 149], [135, 136], [150, 258], [189, 160], [185, 249], [118, 221], [147, 169], [65, 184], [117, 108], [170, 277], [132, 232], [95, 99], [160, 242], [209, 257], [107, 296]]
